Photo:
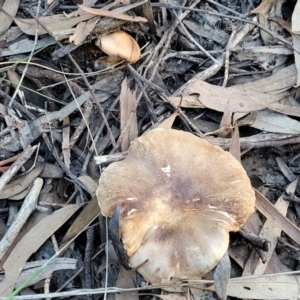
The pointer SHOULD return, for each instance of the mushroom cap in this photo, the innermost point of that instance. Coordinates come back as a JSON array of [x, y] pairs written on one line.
[[180, 196], [119, 44]]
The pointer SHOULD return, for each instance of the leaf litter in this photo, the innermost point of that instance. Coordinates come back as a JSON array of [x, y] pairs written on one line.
[[206, 67]]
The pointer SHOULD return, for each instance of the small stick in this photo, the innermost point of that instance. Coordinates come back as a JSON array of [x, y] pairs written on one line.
[[27, 208], [14, 168]]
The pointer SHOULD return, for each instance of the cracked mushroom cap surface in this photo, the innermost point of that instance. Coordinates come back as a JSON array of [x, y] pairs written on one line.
[[180, 196]]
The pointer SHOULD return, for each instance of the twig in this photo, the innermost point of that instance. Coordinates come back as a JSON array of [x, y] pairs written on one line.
[[84, 79], [96, 137], [27, 208], [228, 17], [88, 260], [189, 36], [162, 94], [14, 168], [227, 54], [224, 7]]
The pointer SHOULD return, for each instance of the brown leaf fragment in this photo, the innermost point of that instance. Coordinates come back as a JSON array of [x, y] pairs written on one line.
[[52, 23], [262, 6], [30, 243], [9, 160], [271, 212], [221, 276], [145, 10], [274, 122], [272, 8], [274, 286], [125, 280], [111, 14], [21, 195], [90, 183], [285, 169], [87, 216], [274, 84], [235, 146], [21, 183], [83, 29], [236, 99], [270, 232], [128, 114], [226, 123], [168, 123], [283, 23], [11, 8]]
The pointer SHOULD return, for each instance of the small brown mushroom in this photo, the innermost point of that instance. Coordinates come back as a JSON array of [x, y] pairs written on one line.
[[119, 44], [180, 196]]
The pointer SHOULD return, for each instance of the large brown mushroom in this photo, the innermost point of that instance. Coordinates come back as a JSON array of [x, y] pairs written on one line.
[[180, 196]]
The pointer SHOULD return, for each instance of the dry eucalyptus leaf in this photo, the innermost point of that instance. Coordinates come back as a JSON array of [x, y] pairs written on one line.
[[262, 6], [83, 29], [90, 184], [30, 243], [87, 216], [11, 7], [271, 212], [289, 175], [168, 123], [52, 23], [283, 23], [52, 171], [270, 232], [111, 14], [270, 9], [222, 276], [21, 195], [275, 287], [234, 98], [274, 122], [145, 10], [126, 280], [26, 45], [18, 185], [296, 38], [275, 84], [128, 114]]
